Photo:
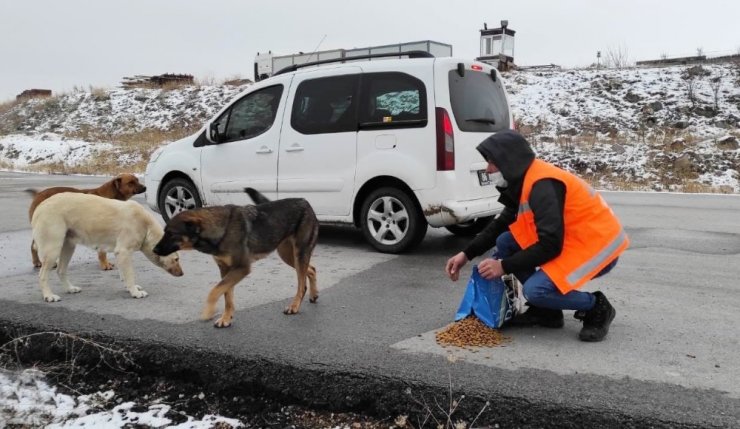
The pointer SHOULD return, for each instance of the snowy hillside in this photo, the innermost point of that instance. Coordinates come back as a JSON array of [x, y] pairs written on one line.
[[672, 128], [638, 128]]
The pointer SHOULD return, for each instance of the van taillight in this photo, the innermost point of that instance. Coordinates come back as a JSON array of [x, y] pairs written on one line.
[[445, 141]]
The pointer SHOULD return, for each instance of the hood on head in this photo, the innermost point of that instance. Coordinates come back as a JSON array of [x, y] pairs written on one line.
[[510, 152]]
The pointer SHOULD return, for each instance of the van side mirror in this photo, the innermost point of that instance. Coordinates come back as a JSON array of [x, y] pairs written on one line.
[[213, 134]]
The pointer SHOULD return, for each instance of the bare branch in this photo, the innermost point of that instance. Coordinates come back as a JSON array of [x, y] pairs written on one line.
[[73, 347], [716, 83], [617, 57]]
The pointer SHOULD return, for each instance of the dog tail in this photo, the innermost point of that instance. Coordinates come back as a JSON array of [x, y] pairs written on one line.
[[33, 192], [256, 196]]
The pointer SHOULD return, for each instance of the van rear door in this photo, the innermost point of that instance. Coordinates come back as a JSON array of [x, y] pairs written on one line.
[[478, 107]]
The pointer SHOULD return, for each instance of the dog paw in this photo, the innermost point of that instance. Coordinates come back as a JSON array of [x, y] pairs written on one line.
[[107, 266], [73, 289], [138, 292], [291, 309], [313, 299], [222, 323], [37, 264], [52, 298]]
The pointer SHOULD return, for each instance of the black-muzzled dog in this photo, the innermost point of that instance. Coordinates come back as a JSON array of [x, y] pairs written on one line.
[[237, 236]]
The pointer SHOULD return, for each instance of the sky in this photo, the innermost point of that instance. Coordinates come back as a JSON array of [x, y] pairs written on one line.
[[63, 44]]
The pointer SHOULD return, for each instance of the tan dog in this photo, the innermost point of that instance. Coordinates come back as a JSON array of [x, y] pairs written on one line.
[[123, 227], [122, 187]]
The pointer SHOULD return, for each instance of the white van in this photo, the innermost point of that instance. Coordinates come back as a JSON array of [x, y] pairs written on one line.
[[387, 145]]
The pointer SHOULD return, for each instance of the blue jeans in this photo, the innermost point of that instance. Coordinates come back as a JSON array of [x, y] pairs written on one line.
[[538, 289]]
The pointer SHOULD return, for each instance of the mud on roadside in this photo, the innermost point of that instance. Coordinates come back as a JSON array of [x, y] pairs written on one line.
[[264, 393]]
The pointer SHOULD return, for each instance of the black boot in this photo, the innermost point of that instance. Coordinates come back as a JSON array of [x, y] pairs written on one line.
[[538, 316], [597, 320]]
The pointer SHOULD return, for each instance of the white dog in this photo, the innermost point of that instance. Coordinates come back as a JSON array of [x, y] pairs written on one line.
[[122, 227]]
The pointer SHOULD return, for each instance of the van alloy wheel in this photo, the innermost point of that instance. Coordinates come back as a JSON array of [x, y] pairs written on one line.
[[391, 220], [387, 220], [177, 196]]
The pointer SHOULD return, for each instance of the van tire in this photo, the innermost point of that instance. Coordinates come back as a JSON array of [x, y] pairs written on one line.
[[394, 217], [470, 228], [177, 195]]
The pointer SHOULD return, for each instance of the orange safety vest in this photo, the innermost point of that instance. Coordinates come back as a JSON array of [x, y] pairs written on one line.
[[593, 236]]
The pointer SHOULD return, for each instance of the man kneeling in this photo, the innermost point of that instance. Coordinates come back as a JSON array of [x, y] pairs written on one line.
[[554, 221]]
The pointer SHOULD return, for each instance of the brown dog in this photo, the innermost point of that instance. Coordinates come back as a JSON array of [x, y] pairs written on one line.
[[122, 187], [237, 236]]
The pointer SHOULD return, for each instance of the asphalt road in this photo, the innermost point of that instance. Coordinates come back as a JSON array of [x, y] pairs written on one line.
[[670, 360]]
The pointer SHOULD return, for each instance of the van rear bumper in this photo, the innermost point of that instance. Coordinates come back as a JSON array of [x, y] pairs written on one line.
[[453, 212]]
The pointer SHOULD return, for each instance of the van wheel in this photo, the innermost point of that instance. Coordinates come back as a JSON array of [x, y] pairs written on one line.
[[471, 227], [391, 221], [176, 196]]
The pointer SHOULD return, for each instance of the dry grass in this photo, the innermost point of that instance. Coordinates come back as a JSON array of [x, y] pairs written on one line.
[[7, 105], [130, 153], [694, 187], [173, 85], [99, 93], [209, 80], [5, 165], [45, 104], [672, 174], [614, 183], [138, 146]]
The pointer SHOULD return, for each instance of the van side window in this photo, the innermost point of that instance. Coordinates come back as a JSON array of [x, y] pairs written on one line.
[[250, 116], [393, 100], [326, 105]]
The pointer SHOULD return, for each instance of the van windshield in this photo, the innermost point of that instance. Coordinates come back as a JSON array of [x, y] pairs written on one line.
[[478, 103]]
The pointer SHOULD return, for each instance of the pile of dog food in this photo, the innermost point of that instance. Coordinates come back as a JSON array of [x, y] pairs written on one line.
[[469, 332]]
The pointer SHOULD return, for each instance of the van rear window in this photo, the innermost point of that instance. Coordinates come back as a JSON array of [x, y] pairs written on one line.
[[478, 103]]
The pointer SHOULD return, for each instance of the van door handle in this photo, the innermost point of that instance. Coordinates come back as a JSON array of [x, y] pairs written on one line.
[[264, 149], [294, 148]]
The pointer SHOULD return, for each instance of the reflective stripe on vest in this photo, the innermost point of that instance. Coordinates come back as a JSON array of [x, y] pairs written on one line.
[[593, 236], [602, 258]]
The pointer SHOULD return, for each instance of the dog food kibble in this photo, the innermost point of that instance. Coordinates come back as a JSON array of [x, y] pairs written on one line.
[[469, 332]]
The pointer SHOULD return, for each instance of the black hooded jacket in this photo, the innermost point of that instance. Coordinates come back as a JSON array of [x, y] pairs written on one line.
[[512, 155]]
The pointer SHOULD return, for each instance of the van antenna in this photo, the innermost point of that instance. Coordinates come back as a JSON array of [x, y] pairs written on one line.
[[315, 49]]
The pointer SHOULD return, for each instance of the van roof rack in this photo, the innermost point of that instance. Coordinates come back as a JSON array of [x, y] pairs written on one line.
[[410, 54]]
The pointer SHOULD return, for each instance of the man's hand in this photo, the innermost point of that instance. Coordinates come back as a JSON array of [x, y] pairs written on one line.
[[491, 269], [454, 264]]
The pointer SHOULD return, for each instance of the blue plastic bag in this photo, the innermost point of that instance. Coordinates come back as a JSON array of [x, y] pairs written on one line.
[[491, 301]]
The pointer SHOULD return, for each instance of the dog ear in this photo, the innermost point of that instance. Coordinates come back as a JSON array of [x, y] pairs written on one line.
[[192, 228], [117, 182]]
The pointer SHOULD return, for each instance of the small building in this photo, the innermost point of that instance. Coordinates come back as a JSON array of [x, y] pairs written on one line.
[[497, 46], [141, 81], [33, 93]]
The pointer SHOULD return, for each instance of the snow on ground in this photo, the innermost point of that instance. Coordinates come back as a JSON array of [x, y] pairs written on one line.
[[626, 100], [124, 110], [22, 151], [26, 400]]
